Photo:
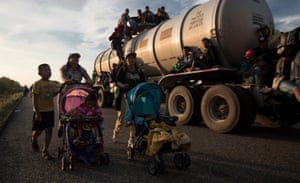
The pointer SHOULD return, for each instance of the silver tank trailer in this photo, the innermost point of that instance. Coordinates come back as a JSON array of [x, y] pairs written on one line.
[[230, 24], [232, 27]]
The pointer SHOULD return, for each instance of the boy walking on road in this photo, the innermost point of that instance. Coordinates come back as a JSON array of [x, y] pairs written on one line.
[[43, 92]]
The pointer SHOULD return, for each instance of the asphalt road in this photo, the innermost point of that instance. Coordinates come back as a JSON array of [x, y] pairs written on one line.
[[258, 155]]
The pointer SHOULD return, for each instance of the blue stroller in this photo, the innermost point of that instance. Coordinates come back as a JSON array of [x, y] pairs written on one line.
[[87, 152], [155, 133]]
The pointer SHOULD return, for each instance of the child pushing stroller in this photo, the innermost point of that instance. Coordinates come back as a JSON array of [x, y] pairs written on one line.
[[156, 133], [83, 125]]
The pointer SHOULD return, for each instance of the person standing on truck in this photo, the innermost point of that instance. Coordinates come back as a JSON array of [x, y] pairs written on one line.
[[124, 18], [209, 56], [116, 41], [268, 56], [287, 74], [129, 75]]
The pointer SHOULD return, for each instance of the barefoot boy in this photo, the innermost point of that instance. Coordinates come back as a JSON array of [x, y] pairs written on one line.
[[43, 92]]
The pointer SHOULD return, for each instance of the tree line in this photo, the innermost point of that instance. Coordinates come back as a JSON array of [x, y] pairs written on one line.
[[9, 86]]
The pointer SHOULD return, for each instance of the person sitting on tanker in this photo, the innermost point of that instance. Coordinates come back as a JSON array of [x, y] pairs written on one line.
[[185, 62], [158, 17], [136, 22], [269, 56], [209, 56], [161, 15], [262, 47], [164, 14], [273, 36], [149, 15], [124, 19], [287, 74], [251, 70]]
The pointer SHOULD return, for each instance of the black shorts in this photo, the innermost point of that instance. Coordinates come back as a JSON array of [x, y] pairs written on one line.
[[47, 121]]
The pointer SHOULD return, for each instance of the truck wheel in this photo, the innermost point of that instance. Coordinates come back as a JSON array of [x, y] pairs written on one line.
[[104, 98], [220, 109], [247, 108], [288, 115], [101, 98], [181, 104]]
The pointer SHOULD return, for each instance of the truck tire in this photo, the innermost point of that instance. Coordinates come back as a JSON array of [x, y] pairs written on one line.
[[288, 112], [181, 104], [221, 109], [247, 108], [105, 99]]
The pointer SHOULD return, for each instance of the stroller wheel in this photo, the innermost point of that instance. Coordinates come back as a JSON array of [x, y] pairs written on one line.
[[102, 159], [152, 166], [182, 160], [130, 153], [71, 166], [142, 146], [161, 164], [63, 163], [156, 165], [105, 159], [186, 160]]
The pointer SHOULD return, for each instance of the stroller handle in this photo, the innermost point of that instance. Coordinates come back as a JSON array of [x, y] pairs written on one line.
[[82, 120], [73, 82]]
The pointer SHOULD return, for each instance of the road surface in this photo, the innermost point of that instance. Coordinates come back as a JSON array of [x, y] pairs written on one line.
[[258, 155]]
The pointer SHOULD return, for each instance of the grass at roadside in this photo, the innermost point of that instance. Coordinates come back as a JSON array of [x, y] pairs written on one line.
[[7, 102]]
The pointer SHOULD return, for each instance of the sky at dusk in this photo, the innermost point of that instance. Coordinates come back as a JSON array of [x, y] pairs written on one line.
[[39, 31]]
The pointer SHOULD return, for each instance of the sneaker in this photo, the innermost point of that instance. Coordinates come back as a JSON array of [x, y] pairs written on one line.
[[130, 142], [35, 146], [78, 140], [47, 156], [98, 140], [114, 137]]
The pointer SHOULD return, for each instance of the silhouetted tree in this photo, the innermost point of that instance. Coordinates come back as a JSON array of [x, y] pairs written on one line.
[[8, 86]]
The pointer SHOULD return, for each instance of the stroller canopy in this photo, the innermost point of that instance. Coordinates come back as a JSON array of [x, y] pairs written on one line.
[[144, 99], [72, 98]]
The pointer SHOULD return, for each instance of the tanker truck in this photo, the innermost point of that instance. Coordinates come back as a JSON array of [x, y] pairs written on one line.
[[216, 96]]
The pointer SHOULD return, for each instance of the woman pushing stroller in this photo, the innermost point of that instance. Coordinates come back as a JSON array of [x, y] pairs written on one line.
[[128, 76], [72, 73]]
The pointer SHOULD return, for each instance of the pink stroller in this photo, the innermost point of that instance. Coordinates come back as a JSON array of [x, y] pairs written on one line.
[[88, 152]]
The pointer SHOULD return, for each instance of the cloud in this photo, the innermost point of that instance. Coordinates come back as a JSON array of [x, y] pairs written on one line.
[[35, 31], [286, 14]]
